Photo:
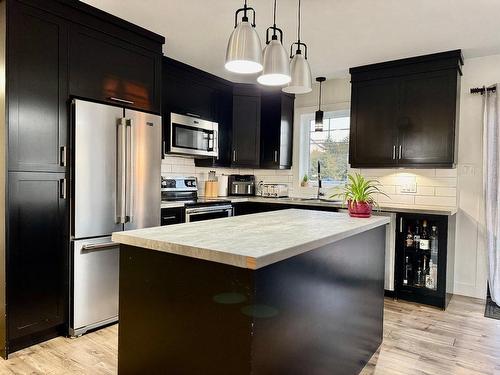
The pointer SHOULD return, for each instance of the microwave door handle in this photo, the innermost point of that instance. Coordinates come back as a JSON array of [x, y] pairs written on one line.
[[216, 141], [120, 170]]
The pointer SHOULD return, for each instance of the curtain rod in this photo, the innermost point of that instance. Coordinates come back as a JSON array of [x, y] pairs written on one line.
[[481, 90]]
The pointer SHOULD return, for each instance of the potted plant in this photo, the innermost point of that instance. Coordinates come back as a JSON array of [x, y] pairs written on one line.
[[305, 181], [359, 193]]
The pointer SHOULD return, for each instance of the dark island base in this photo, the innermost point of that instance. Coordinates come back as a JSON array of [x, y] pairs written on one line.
[[320, 312]]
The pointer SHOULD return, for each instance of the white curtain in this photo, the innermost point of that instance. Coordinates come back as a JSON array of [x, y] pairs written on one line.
[[491, 182]]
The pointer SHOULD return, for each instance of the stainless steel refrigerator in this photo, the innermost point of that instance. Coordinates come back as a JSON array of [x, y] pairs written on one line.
[[116, 179]]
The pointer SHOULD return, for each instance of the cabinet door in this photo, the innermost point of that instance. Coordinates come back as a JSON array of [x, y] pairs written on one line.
[[171, 216], [373, 135], [37, 252], [427, 119], [286, 131], [246, 131], [270, 132], [37, 90], [111, 70]]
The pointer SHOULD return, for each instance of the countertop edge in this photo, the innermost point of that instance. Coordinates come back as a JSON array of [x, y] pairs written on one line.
[[244, 261]]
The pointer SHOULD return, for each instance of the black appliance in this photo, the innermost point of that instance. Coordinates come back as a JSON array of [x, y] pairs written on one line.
[[239, 184], [185, 190]]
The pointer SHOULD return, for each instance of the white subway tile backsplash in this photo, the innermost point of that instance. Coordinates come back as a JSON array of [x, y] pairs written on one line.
[[446, 172], [436, 201], [435, 187], [446, 191]]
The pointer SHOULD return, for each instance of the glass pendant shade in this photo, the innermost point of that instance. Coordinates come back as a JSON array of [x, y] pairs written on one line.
[[276, 70], [300, 70], [244, 50]]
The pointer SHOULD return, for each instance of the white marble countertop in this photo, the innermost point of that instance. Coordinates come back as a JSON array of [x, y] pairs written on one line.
[[388, 207], [251, 241]]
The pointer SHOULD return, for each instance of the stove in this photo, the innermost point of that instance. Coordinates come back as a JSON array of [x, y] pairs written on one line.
[[185, 190]]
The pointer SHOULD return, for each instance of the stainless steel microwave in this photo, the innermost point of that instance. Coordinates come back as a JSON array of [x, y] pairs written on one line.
[[193, 136]]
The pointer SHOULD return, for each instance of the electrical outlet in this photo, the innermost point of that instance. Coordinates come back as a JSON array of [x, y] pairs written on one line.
[[408, 185]]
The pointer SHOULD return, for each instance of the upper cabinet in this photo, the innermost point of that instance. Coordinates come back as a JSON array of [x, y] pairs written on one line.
[[255, 124], [37, 90], [404, 113], [276, 130], [246, 127], [111, 70]]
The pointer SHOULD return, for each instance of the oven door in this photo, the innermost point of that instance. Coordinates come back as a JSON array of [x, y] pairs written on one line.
[[208, 213], [193, 136]]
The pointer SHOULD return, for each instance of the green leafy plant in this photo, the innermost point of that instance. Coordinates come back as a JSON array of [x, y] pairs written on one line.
[[305, 179], [360, 190]]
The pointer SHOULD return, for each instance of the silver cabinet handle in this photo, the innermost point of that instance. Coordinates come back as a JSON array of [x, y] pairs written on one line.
[[120, 172], [169, 217], [393, 152], [400, 225], [400, 151], [115, 99], [63, 156], [62, 188], [164, 148], [234, 155], [99, 246], [275, 156]]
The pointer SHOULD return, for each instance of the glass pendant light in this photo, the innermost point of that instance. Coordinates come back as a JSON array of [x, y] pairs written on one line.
[[299, 67], [319, 113], [244, 50], [276, 70]]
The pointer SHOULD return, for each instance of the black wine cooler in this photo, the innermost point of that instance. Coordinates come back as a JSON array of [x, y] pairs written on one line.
[[424, 264]]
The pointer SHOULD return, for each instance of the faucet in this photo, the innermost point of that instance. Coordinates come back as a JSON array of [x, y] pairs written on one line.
[[320, 192]]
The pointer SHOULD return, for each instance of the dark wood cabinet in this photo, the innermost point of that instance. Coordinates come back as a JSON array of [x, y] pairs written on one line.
[[246, 131], [255, 125], [55, 49], [111, 70], [276, 134], [173, 215], [37, 259], [405, 113], [37, 90]]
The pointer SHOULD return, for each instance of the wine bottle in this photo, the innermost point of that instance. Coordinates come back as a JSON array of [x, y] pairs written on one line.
[[409, 238], [434, 244], [424, 238], [416, 236]]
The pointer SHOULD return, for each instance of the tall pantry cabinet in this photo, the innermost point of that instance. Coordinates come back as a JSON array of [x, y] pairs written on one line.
[[43, 66]]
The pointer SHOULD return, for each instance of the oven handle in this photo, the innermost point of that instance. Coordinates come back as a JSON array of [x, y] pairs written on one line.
[[204, 210]]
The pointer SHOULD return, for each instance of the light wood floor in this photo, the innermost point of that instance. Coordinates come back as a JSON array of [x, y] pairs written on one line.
[[417, 340]]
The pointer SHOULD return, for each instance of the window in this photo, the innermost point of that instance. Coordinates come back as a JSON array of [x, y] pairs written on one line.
[[330, 147]]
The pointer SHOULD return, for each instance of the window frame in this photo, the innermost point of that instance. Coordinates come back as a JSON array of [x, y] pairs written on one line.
[[302, 141]]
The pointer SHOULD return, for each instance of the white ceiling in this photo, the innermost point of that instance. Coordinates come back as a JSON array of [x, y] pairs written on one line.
[[339, 33]]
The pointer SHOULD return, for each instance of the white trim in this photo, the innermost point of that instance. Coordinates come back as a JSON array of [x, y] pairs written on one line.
[[297, 137]]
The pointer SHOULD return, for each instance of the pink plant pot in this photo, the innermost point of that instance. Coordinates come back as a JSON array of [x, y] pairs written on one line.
[[359, 209]]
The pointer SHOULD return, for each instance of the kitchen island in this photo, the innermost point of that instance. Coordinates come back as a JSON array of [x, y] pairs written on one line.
[[283, 292]]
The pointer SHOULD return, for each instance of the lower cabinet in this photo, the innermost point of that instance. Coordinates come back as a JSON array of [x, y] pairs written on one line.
[[247, 208], [37, 257], [171, 216]]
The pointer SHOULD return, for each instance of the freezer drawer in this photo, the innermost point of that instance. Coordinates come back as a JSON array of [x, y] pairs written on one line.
[[95, 284]]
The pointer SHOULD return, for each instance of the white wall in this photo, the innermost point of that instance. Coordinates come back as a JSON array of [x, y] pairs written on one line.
[[445, 187]]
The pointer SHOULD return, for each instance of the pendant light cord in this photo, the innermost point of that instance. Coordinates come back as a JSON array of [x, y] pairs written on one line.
[[274, 30], [298, 30]]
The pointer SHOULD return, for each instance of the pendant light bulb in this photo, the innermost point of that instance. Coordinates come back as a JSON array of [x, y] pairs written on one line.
[[276, 71], [319, 113], [300, 71], [244, 49]]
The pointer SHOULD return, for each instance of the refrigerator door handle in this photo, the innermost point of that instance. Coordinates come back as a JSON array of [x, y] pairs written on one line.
[[121, 172], [99, 246], [130, 170]]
